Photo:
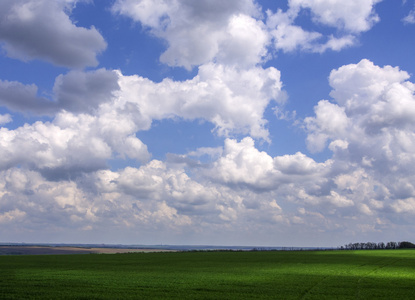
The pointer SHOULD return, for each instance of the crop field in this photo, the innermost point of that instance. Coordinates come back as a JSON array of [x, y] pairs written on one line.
[[370, 274]]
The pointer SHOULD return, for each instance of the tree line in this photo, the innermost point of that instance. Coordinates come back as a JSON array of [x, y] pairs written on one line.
[[381, 245]]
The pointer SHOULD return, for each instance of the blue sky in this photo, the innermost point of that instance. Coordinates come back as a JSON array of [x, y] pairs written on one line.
[[273, 123]]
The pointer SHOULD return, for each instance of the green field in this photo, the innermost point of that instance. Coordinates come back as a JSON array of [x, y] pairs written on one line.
[[371, 274]]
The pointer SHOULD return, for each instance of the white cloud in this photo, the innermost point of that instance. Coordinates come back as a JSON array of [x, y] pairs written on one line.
[[42, 29], [336, 44], [339, 200], [330, 120], [12, 216], [353, 82], [242, 190], [136, 200], [241, 164], [199, 32], [233, 100], [68, 146], [297, 164], [97, 116], [38, 203], [353, 16], [410, 18], [4, 119], [148, 197], [245, 43], [289, 37], [371, 128], [150, 13], [52, 147], [370, 100], [404, 206], [349, 19]]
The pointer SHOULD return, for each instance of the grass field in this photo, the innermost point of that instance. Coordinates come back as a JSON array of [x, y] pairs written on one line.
[[377, 274]]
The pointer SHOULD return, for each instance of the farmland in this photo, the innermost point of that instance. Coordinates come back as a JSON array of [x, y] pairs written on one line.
[[371, 274]]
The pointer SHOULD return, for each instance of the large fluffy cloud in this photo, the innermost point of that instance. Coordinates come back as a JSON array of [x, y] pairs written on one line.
[[42, 29], [199, 31], [70, 145], [362, 188], [99, 112], [242, 165], [202, 31], [152, 197], [370, 126], [372, 102], [234, 100]]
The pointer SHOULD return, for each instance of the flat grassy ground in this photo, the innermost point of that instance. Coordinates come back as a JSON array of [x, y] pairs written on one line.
[[377, 274]]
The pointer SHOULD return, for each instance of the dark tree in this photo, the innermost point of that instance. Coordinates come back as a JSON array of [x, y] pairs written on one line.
[[381, 245], [391, 245], [406, 245]]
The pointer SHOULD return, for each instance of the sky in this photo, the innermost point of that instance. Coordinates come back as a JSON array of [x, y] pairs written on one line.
[[210, 122]]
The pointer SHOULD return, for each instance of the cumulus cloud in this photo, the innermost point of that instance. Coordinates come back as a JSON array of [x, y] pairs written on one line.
[[151, 196], [404, 206], [38, 203], [348, 19], [370, 125], [158, 195], [241, 189], [198, 32], [12, 216], [370, 100], [42, 29], [330, 120], [99, 112], [234, 100], [51, 147], [242, 165], [68, 146]]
